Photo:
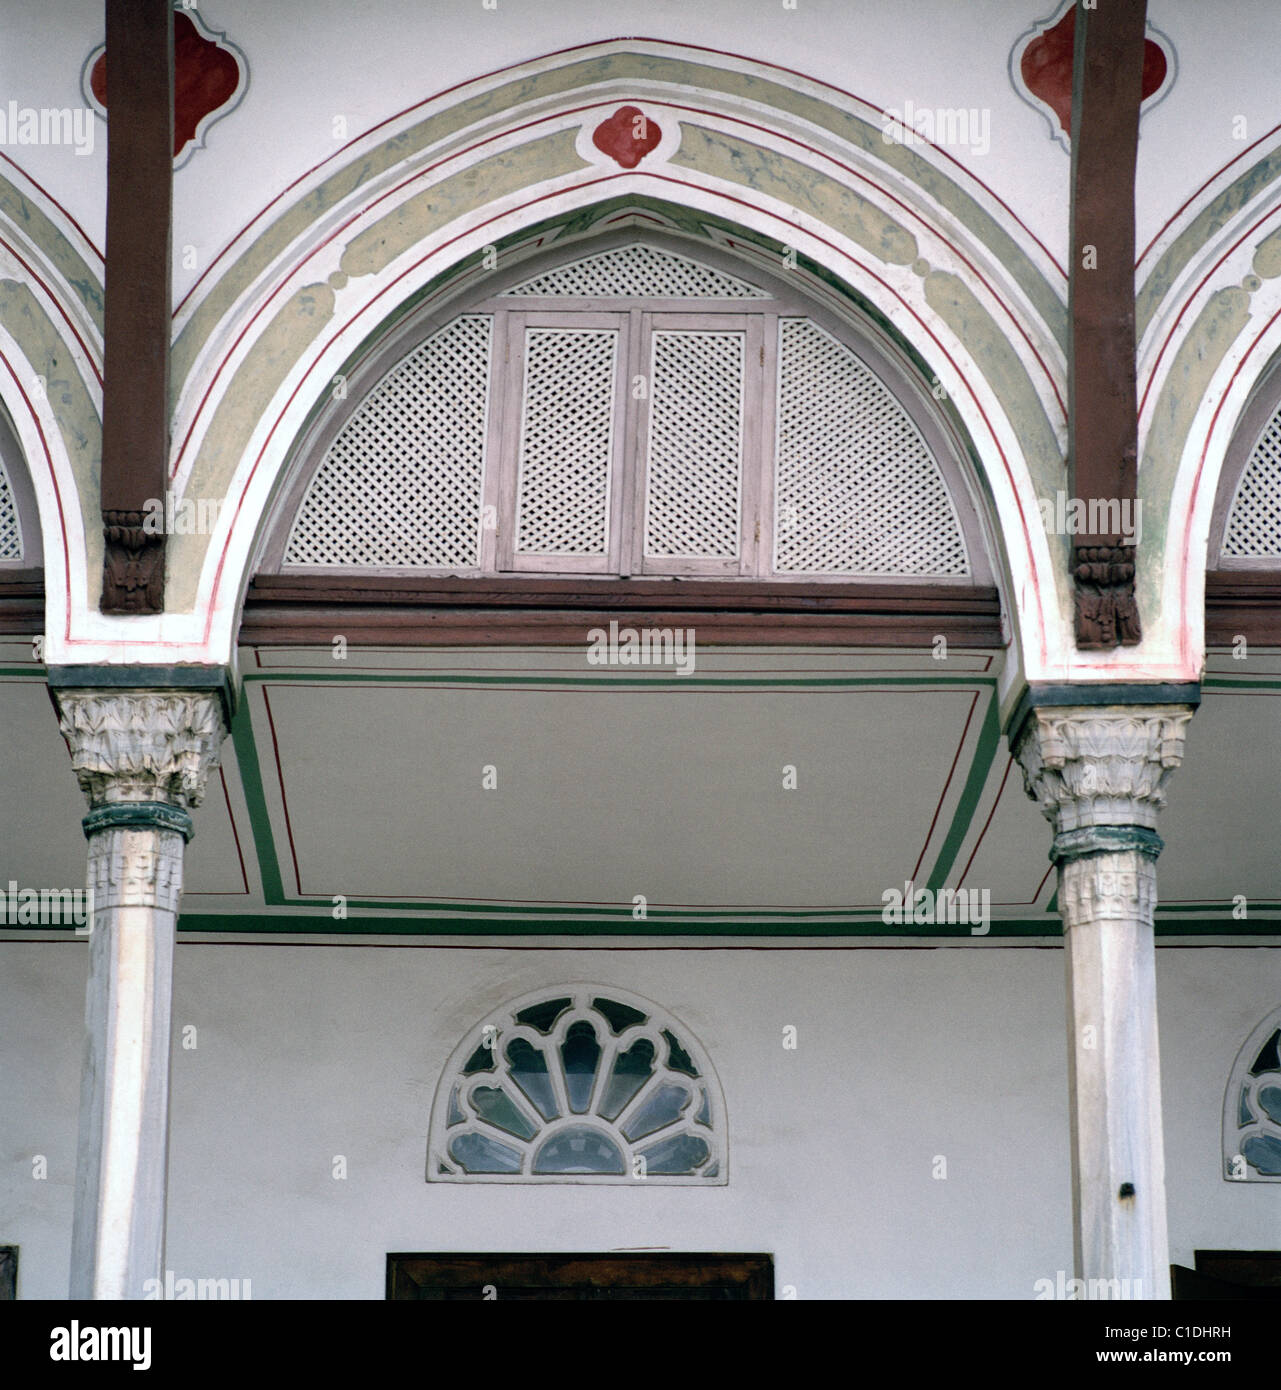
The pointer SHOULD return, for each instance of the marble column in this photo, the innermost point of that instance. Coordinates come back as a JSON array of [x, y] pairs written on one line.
[[142, 758], [1098, 774]]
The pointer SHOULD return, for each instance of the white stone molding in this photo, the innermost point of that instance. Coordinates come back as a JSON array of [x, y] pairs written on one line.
[[142, 745], [1088, 766]]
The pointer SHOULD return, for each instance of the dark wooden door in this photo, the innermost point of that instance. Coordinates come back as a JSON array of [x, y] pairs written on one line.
[[641, 1275]]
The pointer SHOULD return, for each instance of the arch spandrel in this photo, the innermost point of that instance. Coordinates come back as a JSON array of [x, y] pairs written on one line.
[[930, 252]]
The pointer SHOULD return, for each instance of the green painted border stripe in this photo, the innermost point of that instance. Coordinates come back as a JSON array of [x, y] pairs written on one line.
[[322, 925], [267, 850], [980, 770], [242, 737], [657, 682]]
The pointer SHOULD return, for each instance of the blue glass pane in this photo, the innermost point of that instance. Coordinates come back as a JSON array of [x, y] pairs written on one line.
[[632, 1069], [704, 1116], [543, 1016], [480, 1060], [527, 1067], [677, 1058], [714, 1171], [1269, 1058], [618, 1016], [579, 1150], [661, 1107], [478, 1153], [1245, 1116], [1263, 1152], [455, 1116], [1270, 1099], [581, 1054], [682, 1153], [499, 1109]]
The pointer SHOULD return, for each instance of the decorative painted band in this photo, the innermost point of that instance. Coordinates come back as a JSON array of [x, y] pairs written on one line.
[[138, 815], [1042, 695], [1104, 839]]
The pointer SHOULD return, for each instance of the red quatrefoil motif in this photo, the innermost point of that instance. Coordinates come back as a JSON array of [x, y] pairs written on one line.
[[1046, 66], [627, 136], [205, 77]]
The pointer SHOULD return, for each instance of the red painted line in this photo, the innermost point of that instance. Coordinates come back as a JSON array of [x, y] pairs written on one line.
[[1178, 212], [57, 303], [577, 48], [943, 794], [231, 816], [1190, 299], [366, 208], [1196, 482], [661, 178], [284, 800], [57, 491], [44, 192], [965, 873]]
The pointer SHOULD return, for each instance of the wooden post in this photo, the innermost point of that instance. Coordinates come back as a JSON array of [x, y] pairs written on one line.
[[137, 318], [1102, 397]]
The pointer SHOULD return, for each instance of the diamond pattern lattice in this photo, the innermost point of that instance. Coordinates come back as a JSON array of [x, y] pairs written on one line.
[[566, 442], [857, 490], [401, 482], [1254, 525], [636, 272], [10, 530], [693, 479]]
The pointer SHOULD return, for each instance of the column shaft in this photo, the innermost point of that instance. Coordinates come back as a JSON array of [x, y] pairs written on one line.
[[1098, 773], [1118, 1157], [118, 1231]]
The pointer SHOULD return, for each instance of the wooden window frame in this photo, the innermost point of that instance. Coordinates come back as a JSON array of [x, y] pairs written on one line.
[[874, 348]]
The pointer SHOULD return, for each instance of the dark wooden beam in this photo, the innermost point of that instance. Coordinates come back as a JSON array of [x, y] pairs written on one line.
[[137, 318], [1243, 603], [1102, 398], [298, 610]]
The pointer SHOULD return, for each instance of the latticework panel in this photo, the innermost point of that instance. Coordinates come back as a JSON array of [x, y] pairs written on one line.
[[634, 272], [695, 463], [401, 482], [566, 441], [1254, 525], [10, 530], [857, 491]]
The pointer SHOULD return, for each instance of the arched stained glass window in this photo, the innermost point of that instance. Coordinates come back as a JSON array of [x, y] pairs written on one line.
[[583, 1084], [1252, 1108]]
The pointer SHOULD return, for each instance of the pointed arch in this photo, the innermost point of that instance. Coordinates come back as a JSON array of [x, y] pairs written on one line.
[[794, 164]]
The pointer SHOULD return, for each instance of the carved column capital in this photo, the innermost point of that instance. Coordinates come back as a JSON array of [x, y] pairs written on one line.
[[1098, 773], [142, 757]]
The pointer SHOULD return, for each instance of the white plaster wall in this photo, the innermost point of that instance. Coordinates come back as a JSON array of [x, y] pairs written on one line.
[[310, 63], [306, 1052]]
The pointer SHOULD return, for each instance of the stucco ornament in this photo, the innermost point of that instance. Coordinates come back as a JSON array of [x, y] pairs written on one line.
[[156, 746], [1093, 768]]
